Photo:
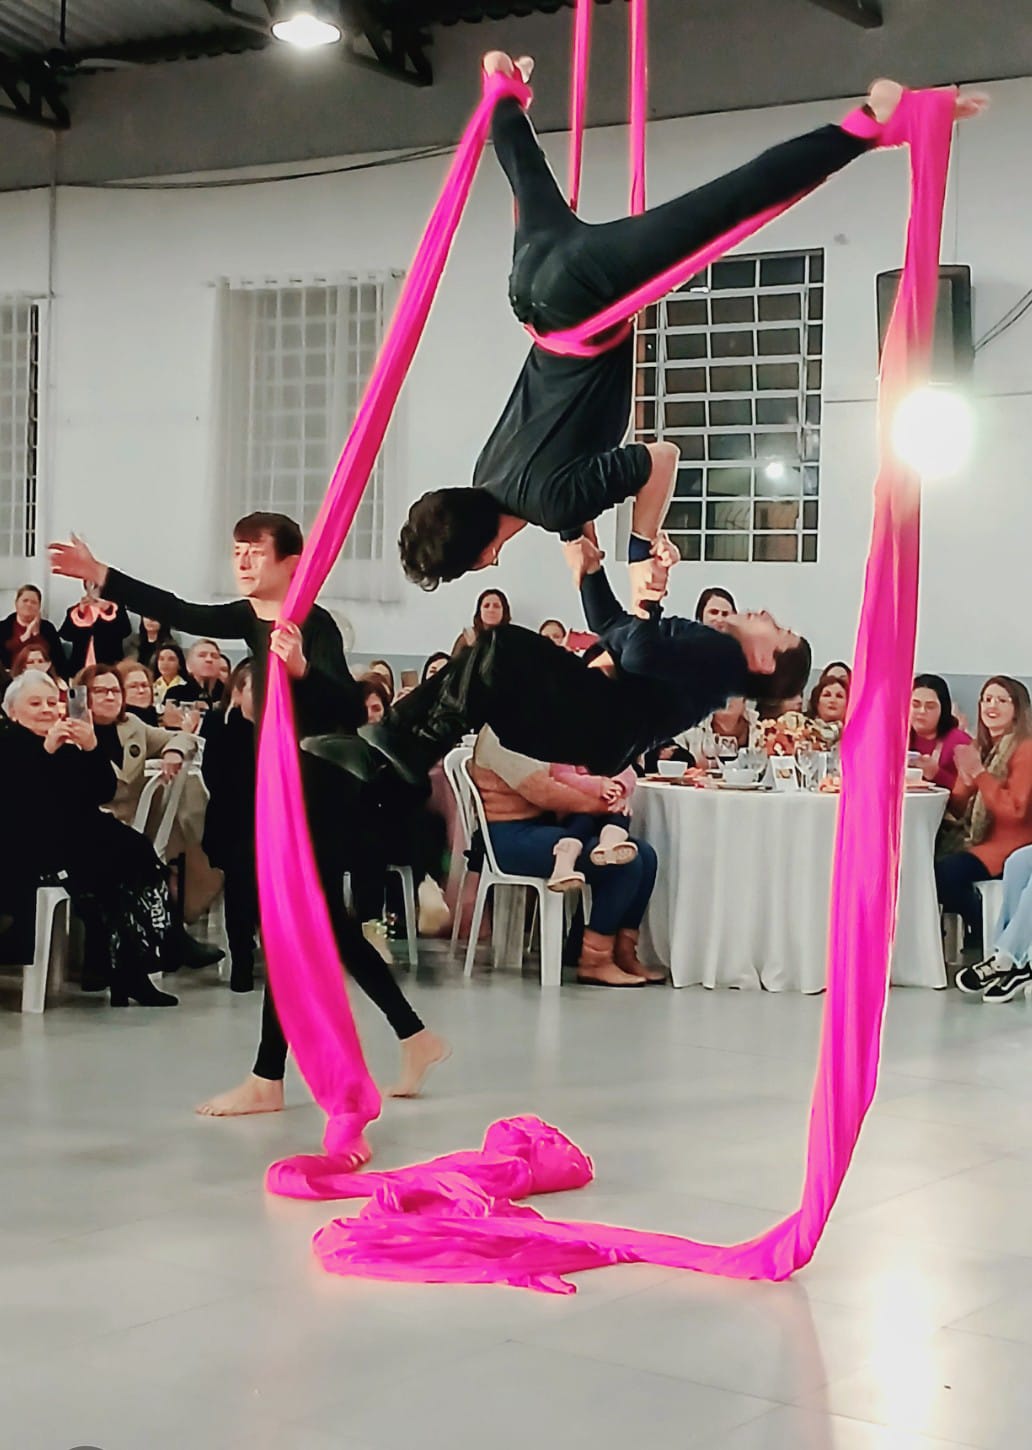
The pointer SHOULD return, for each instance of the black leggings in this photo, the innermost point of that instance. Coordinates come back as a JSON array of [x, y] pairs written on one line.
[[955, 878], [327, 801], [566, 270]]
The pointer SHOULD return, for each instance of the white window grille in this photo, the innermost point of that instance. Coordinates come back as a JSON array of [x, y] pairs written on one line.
[[19, 426], [729, 367], [294, 360]]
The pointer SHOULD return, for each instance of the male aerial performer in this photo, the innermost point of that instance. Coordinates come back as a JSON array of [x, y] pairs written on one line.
[[555, 457]]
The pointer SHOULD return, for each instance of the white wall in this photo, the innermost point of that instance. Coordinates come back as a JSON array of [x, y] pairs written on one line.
[[131, 363]]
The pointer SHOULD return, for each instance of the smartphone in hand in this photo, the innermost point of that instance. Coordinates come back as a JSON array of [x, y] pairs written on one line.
[[78, 703]]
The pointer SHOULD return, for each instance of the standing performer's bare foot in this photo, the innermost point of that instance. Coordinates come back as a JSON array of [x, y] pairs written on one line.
[[885, 95], [254, 1095], [418, 1055]]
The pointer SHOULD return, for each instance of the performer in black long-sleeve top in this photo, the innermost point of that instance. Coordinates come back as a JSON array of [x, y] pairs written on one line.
[[555, 457], [267, 549], [650, 679]]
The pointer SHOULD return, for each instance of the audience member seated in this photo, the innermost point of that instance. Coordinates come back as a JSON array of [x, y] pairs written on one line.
[[138, 687], [491, 611], [574, 640], [203, 686], [935, 731], [56, 781], [714, 607], [434, 663], [386, 673], [145, 644], [994, 788], [838, 670], [519, 798], [228, 766], [376, 696], [37, 657], [225, 668], [722, 736], [170, 671], [95, 630], [828, 701], [127, 742], [27, 626], [1006, 972]]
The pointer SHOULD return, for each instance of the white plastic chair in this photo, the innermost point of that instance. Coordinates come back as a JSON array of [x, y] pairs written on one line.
[[991, 893], [550, 903], [467, 820], [408, 896], [53, 910]]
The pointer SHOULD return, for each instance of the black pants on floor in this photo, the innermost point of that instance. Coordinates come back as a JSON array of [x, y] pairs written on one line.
[[955, 878], [566, 270], [328, 799], [540, 701]]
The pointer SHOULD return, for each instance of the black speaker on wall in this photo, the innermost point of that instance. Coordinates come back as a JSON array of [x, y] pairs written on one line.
[[954, 351]]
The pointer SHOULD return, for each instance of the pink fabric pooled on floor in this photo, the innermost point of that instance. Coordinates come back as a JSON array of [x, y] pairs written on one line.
[[455, 1219]]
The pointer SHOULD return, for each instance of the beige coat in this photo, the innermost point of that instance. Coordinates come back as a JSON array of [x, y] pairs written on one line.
[[141, 743]]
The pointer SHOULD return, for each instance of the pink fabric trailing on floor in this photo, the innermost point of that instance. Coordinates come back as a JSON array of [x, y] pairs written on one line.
[[455, 1219]]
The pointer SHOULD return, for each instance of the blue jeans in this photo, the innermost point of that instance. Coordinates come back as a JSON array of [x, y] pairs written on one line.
[[619, 894], [955, 878], [1013, 934]]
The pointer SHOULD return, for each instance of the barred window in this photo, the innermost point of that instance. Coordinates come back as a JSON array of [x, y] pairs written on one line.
[[729, 367], [19, 426], [295, 361]]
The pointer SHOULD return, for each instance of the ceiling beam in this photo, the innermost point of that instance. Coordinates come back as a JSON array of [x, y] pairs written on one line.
[[399, 47], [228, 11], [865, 13], [153, 51], [33, 92]]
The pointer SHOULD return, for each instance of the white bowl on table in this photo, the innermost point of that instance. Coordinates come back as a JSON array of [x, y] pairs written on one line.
[[671, 769]]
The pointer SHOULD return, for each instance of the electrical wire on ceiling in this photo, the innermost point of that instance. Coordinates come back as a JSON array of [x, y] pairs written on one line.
[[1006, 322]]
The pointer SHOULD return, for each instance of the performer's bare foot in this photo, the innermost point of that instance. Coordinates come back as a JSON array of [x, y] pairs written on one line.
[[496, 61], [253, 1095], [418, 1055]]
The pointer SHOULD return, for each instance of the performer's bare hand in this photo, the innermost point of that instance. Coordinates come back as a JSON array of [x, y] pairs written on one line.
[[970, 106], [583, 557], [75, 561], [666, 552], [648, 584], [286, 644]]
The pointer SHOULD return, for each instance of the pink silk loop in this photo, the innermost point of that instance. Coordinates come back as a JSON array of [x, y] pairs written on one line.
[[579, 96], [639, 48], [458, 1219]]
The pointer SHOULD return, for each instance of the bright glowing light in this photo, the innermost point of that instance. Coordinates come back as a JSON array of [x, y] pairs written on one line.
[[933, 432], [306, 31], [775, 471]]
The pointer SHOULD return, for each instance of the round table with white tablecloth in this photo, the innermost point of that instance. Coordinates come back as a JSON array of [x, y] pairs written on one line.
[[744, 884]]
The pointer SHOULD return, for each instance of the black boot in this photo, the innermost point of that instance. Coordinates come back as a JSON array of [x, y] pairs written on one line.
[[139, 988], [180, 949]]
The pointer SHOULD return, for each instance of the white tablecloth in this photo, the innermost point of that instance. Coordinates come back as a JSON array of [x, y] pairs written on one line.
[[741, 899]]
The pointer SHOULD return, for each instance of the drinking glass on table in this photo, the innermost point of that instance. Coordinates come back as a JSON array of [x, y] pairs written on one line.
[[810, 763]]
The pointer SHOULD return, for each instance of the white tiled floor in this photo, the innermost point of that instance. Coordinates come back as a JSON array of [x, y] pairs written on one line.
[[152, 1297]]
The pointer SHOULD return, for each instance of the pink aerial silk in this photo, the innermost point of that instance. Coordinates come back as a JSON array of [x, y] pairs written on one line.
[[457, 1219], [639, 90]]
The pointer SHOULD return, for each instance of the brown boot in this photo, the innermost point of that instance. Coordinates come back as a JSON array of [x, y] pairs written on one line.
[[625, 954], [596, 967]]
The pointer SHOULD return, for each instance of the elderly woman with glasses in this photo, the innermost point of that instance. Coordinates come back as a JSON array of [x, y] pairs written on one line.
[[58, 780]]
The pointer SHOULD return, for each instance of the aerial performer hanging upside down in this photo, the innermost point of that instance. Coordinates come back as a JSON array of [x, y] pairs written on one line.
[[556, 457]]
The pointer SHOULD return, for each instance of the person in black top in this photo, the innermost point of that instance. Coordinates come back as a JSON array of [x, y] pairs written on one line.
[[203, 678], [267, 550], [27, 626], [104, 625], [555, 457], [228, 767], [648, 680]]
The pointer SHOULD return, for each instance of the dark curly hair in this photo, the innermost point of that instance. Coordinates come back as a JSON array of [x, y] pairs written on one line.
[[446, 533], [791, 671]]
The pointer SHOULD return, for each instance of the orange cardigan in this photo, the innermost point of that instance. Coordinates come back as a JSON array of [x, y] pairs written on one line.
[[1009, 802]]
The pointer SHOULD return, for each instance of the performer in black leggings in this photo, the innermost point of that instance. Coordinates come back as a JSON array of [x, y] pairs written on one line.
[[267, 550], [554, 458]]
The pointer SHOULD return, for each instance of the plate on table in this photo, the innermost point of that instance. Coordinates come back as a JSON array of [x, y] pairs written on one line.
[[738, 785]]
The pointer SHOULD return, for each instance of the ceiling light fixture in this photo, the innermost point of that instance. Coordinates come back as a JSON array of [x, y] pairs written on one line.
[[305, 29]]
